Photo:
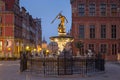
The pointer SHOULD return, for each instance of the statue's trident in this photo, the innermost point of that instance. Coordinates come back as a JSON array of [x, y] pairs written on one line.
[[56, 17]]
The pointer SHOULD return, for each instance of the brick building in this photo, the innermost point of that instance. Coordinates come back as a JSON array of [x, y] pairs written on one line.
[[38, 33], [96, 24], [17, 29]]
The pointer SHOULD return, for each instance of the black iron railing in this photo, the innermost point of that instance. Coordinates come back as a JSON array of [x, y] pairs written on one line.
[[63, 66]]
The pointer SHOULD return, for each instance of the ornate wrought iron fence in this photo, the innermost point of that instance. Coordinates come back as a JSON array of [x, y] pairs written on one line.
[[65, 66]]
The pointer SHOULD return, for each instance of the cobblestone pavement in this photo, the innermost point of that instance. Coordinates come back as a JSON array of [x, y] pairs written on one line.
[[9, 70]]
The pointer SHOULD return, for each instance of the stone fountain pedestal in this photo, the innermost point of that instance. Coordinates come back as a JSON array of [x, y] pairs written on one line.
[[62, 39]]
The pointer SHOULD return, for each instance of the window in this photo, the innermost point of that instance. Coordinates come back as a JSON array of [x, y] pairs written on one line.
[[0, 31], [81, 9], [103, 31], [0, 8], [0, 45], [0, 19], [92, 9], [113, 31], [92, 31], [81, 31], [103, 9], [82, 49], [91, 47], [113, 9], [103, 48], [119, 47], [114, 49]]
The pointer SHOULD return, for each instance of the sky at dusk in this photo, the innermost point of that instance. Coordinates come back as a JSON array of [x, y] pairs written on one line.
[[47, 11]]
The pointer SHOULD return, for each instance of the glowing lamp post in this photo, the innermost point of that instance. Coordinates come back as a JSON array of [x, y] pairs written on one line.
[[47, 52], [27, 48], [34, 50], [9, 49], [39, 49]]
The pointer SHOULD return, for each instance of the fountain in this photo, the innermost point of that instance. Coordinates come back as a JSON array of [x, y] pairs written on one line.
[[62, 39], [65, 63]]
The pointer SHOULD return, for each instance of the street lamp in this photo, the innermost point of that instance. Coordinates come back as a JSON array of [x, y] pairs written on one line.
[[34, 50], [27, 48], [9, 49], [39, 49], [47, 52]]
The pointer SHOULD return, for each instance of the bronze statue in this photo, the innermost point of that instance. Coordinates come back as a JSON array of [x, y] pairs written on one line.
[[61, 26]]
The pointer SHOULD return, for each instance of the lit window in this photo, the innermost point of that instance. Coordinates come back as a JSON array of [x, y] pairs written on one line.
[[0, 45]]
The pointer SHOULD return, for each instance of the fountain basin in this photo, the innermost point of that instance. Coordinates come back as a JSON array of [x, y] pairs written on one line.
[[61, 40]]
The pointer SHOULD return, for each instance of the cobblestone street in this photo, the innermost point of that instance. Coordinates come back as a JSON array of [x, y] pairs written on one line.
[[9, 70]]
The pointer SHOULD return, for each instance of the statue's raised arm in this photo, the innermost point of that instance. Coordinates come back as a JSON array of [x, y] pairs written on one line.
[[62, 19], [61, 26]]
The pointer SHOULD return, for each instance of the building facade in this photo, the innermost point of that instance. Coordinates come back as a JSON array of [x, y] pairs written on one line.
[[96, 24], [38, 34], [17, 29]]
